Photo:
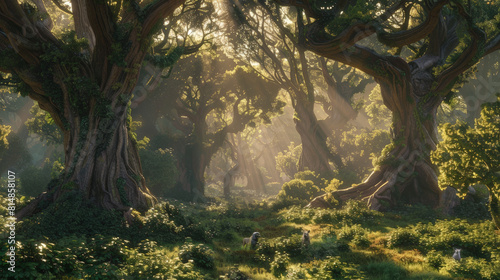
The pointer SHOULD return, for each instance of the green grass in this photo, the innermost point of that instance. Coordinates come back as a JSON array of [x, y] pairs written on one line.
[[349, 243]]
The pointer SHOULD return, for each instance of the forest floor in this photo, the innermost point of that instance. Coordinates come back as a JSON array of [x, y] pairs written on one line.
[[204, 241]]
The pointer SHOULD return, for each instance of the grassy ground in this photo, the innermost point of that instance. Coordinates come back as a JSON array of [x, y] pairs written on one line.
[[187, 241]]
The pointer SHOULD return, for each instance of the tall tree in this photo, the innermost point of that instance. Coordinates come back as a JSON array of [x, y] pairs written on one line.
[[213, 97], [448, 39], [84, 80], [262, 35]]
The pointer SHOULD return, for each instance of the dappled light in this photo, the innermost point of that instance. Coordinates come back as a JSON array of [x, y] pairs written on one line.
[[248, 139]]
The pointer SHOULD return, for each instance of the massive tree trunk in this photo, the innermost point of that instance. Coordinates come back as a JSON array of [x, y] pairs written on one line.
[[191, 165], [315, 154], [405, 173], [86, 89]]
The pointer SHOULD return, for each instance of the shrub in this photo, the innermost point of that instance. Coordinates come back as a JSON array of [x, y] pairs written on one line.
[[290, 245], [72, 214], [331, 268], [298, 189], [327, 247], [470, 268], [279, 264], [434, 259], [320, 180], [157, 265], [235, 274], [285, 202], [349, 233], [403, 238], [201, 255], [159, 226]]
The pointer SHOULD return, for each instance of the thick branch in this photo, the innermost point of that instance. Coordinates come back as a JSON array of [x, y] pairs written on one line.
[[468, 57], [157, 12], [62, 7], [406, 37]]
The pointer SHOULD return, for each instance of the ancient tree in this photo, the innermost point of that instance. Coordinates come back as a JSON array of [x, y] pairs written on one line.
[[261, 34], [84, 80], [446, 39], [211, 96]]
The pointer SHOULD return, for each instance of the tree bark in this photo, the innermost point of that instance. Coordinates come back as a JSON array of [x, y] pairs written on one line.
[[191, 166], [406, 174], [315, 154], [86, 95]]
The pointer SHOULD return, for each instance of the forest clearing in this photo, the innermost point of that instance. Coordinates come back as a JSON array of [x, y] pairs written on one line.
[[250, 139]]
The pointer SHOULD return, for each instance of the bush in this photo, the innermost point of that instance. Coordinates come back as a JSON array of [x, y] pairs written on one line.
[[279, 264], [201, 255], [320, 180], [158, 225], [331, 268], [434, 259], [71, 215], [290, 245], [327, 247], [158, 265], [235, 274], [403, 238], [285, 202], [298, 189], [470, 268], [349, 233]]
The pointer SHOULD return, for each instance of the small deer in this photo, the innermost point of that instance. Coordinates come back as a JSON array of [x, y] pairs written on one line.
[[306, 240], [252, 240], [456, 255]]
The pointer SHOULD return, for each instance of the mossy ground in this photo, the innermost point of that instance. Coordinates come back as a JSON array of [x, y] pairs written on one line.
[[349, 243]]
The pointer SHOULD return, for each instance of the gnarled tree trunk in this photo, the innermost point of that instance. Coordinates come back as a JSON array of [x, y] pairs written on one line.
[[315, 154], [86, 89], [405, 174]]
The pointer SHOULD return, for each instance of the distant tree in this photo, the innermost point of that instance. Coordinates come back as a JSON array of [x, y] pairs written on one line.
[[264, 35], [210, 96], [436, 44], [84, 80], [471, 155]]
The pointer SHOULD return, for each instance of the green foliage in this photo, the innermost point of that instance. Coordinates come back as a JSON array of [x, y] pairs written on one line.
[[159, 170], [279, 264], [298, 189], [72, 214], [356, 234], [158, 223], [434, 259], [468, 156], [292, 245], [379, 115], [470, 268], [201, 255], [403, 238], [359, 149], [4, 143], [167, 60], [287, 162], [385, 270]]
